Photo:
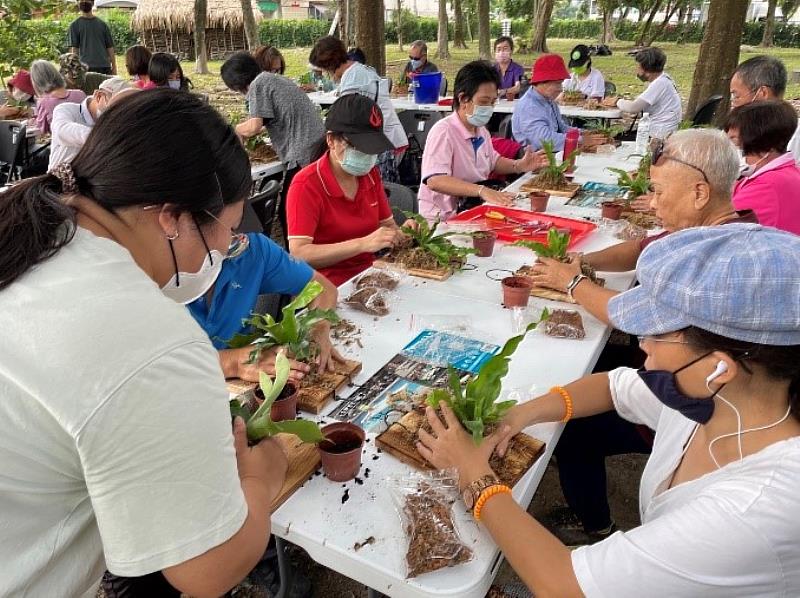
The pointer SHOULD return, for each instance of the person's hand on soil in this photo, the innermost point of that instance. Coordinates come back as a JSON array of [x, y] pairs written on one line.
[[266, 363], [263, 463], [552, 274], [382, 238], [642, 203], [449, 445], [328, 355], [531, 161], [513, 423], [501, 198]]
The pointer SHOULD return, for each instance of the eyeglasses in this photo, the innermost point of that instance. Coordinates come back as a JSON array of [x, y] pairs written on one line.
[[239, 241], [658, 153]]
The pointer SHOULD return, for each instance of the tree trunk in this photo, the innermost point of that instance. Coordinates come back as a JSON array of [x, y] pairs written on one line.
[[769, 24], [624, 14], [250, 27], [370, 33], [608, 27], [200, 50], [483, 29], [683, 19], [719, 54], [399, 19], [442, 51], [645, 28], [541, 22], [458, 25], [663, 25]]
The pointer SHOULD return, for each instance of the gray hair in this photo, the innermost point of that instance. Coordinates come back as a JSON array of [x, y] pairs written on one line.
[[763, 71], [421, 45], [45, 77], [711, 151]]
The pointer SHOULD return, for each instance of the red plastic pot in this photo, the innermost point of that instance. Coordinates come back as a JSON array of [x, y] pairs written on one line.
[[483, 242], [341, 451], [611, 210], [516, 291], [285, 406], [538, 201]]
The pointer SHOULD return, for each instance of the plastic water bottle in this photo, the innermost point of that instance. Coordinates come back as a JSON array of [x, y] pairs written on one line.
[[643, 134], [411, 90]]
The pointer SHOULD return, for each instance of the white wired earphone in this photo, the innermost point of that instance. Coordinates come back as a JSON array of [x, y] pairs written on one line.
[[722, 367]]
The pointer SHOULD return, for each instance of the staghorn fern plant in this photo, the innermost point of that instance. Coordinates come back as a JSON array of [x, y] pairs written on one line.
[[556, 247], [439, 246], [552, 175]]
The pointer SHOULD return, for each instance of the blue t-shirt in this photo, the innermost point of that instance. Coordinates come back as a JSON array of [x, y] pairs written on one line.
[[262, 268]]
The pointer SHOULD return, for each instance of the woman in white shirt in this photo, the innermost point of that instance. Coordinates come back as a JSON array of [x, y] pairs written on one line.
[[661, 98], [116, 448], [584, 77], [717, 315], [330, 54]]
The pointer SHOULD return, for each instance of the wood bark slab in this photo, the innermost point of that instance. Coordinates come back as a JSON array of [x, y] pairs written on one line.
[[569, 192], [399, 440], [439, 274], [303, 462]]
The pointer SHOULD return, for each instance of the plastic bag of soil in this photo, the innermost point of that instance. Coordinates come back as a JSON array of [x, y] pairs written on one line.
[[371, 300], [424, 501], [564, 323], [379, 279], [631, 232]]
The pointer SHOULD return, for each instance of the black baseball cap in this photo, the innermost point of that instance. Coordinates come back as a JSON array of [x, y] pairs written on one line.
[[360, 120], [579, 56]]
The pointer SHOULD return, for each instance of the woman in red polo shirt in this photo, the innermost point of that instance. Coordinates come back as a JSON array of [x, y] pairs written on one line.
[[337, 211]]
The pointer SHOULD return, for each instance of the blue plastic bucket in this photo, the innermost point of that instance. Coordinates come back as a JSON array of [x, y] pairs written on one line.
[[426, 87]]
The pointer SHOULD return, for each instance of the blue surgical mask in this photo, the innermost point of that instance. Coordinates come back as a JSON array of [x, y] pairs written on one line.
[[357, 163], [174, 83], [415, 64], [481, 115], [663, 385]]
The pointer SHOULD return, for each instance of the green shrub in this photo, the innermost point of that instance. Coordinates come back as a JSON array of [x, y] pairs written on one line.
[[119, 22], [292, 33]]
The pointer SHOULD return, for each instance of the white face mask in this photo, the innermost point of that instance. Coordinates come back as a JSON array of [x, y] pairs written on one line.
[[20, 95], [748, 170], [185, 287]]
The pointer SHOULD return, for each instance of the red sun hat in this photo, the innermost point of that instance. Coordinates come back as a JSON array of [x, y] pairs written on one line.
[[549, 67], [22, 81]]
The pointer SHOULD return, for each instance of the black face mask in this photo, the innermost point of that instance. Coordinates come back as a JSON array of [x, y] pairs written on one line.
[[85, 6], [663, 384]]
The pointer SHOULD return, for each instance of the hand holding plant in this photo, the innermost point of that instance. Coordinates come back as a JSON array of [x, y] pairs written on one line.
[[554, 274], [263, 465]]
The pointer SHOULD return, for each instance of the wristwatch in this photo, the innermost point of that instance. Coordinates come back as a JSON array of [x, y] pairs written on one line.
[[576, 280], [473, 491]]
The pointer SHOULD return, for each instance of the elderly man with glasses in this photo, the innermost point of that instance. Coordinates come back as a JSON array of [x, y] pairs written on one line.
[[692, 176], [417, 62]]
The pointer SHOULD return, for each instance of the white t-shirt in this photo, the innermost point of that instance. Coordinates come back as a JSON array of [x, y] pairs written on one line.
[[665, 106], [115, 433], [70, 128], [794, 145], [731, 532], [593, 86]]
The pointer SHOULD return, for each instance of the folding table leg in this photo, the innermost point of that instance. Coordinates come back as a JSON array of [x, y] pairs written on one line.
[[284, 568], [374, 594]]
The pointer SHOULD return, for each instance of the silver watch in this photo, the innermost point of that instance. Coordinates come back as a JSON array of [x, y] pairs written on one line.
[[576, 280]]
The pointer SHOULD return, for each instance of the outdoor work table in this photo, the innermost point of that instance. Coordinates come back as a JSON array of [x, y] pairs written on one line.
[[328, 519], [502, 107]]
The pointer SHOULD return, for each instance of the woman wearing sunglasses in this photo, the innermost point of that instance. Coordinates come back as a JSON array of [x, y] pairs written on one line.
[[719, 320], [692, 176], [255, 266], [115, 432]]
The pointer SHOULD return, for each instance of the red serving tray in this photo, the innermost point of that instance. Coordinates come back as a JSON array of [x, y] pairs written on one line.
[[505, 231]]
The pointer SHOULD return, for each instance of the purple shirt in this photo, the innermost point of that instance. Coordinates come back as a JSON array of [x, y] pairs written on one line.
[[512, 75], [48, 103]]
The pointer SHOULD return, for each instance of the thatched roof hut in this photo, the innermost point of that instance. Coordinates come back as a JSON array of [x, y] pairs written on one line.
[[168, 26]]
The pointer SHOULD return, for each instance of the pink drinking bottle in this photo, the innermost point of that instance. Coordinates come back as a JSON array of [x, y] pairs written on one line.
[[570, 145]]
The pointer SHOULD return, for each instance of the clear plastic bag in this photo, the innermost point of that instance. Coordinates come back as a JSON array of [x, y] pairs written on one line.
[[564, 323], [630, 232], [382, 278], [424, 501], [370, 300]]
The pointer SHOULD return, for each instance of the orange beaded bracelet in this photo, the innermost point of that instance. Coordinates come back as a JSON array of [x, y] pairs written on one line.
[[567, 402], [486, 495]]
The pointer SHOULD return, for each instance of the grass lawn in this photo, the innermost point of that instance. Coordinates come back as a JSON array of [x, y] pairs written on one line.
[[618, 68]]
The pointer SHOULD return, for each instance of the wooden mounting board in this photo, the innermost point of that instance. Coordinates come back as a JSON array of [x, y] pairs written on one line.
[[303, 462], [439, 275], [573, 189], [398, 441]]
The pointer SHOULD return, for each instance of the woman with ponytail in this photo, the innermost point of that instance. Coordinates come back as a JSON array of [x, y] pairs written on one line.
[[116, 448]]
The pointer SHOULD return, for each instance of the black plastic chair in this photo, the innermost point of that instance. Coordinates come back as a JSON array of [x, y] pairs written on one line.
[[12, 140], [411, 119], [261, 207], [401, 199], [610, 90], [706, 112]]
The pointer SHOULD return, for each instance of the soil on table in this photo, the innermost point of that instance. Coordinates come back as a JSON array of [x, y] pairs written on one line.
[[416, 258], [433, 542], [262, 154], [642, 219], [370, 300], [564, 323], [377, 280], [346, 333]]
